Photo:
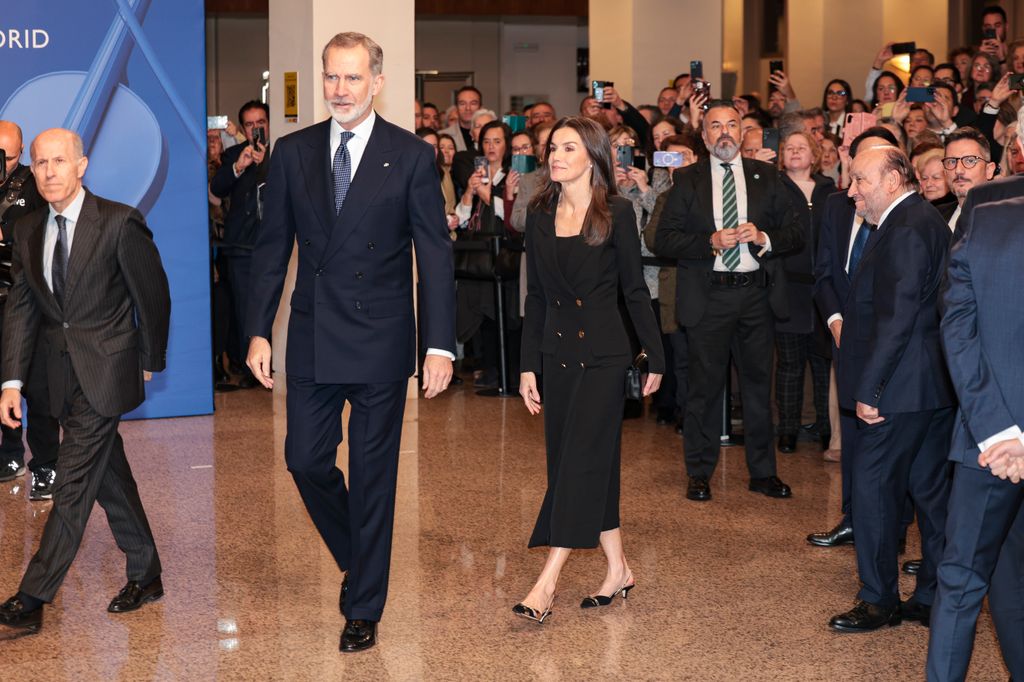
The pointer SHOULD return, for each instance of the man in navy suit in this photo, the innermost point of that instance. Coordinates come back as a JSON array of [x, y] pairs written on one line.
[[356, 193], [895, 379], [982, 329]]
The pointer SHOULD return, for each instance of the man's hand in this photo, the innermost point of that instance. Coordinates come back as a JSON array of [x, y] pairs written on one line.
[[994, 47], [258, 154], [245, 159], [696, 113], [868, 414], [781, 81], [1004, 459], [766, 154], [1001, 92], [884, 55], [10, 404], [901, 109], [940, 112], [528, 389], [437, 374], [147, 375], [837, 331], [725, 239], [684, 93], [748, 233], [259, 360], [652, 384], [612, 96]]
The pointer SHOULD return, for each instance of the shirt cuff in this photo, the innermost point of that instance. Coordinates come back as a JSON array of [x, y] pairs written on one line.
[[767, 245], [837, 316], [235, 172], [13, 383], [989, 109], [463, 212], [1006, 434], [444, 353]]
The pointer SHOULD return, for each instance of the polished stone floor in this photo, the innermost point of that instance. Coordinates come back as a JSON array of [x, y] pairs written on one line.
[[726, 590]]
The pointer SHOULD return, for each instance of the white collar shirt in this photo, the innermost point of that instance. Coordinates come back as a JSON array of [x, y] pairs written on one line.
[[71, 214], [357, 144]]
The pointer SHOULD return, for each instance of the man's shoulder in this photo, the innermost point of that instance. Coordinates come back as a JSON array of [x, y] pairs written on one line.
[[996, 190], [309, 135]]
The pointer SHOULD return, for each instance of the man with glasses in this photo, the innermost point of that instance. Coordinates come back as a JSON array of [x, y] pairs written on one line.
[[467, 100], [941, 113], [968, 163]]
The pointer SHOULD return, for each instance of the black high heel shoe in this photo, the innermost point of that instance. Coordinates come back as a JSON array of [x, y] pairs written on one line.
[[529, 613], [601, 600]]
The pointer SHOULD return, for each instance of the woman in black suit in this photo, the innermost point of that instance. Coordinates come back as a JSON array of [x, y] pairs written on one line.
[[582, 248]]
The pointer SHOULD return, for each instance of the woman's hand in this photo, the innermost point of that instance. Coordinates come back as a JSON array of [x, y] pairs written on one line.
[[640, 178], [766, 154], [901, 109], [653, 382], [1001, 92], [528, 389], [622, 178], [471, 189], [511, 185], [483, 188]]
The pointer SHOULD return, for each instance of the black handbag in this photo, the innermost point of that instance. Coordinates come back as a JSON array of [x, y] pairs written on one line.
[[635, 377]]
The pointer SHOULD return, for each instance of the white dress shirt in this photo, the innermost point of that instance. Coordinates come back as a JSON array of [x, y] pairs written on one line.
[[747, 261], [497, 201], [71, 214], [356, 147], [955, 217]]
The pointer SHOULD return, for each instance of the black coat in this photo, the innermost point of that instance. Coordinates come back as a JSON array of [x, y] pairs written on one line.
[[997, 190], [242, 223], [799, 266]]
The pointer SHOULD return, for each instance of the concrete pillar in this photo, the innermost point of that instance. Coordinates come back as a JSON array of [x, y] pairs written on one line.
[[641, 45]]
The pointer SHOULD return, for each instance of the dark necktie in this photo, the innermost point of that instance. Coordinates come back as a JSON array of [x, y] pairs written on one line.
[[59, 267], [342, 171], [859, 242], [730, 215]]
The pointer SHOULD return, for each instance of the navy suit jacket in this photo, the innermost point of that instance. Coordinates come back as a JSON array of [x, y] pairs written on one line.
[[983, 326], [352, 318], [891, 351], [997, 190], [831, 282]]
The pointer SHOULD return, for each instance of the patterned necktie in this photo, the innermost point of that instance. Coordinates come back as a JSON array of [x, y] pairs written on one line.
[[59, 266], [859, 242], [342, 171], [730, 215]]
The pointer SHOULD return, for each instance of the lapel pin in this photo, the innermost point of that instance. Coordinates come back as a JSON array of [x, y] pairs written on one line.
[[756, 176], [386, 164]]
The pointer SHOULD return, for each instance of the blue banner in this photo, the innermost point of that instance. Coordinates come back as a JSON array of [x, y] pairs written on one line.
[[130, 77]]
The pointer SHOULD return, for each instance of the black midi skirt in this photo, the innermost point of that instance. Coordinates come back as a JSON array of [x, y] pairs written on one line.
[[583, 433]]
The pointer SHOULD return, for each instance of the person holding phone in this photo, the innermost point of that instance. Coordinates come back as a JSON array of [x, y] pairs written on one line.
[[244, 169]]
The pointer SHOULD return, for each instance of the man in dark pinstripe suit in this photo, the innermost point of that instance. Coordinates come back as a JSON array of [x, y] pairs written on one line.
[[90, 290]]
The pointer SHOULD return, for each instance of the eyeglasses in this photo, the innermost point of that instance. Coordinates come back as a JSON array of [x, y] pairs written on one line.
[[523, 149], [949, 163], [886, 88], [836, 93]]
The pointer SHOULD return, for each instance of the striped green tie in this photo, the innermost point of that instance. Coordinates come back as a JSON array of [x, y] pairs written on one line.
[[730, 215]]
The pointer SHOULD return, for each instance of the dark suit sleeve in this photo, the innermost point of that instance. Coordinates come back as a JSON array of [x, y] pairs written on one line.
[[139, 261], [785, 232], [634, 287], [535, 305], [651, 228], [21, 313], [273, 248], [672, 237], [981, 400], [632, 117], [224, 179], [904, 271], [825, 295], [434, 260]]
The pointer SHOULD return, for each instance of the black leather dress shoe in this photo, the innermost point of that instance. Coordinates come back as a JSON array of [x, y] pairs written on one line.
[[133, 595], [787, 444], [358, 635], [771, 486], [865, 617], [343, 595], [14, 615], [698, 489], [842, 534], [912, 567], [914, 610]]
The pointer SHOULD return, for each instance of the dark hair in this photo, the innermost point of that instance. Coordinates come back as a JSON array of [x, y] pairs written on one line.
[[469, 88], [931, 57], [992, 62], [763, 120], [677, 126], [656, 115], [862, 103], [753, 100], [430, 105], [597, 223], [720, 104], [994, 9], [425, 130], [688, 138], [951, 90], [919, 67], [923, 147], [506, 159], [253, 104], [957, 51], [952, 67], [845, 86], [874, 86], [682, 75], [973, 135], [873, 131]]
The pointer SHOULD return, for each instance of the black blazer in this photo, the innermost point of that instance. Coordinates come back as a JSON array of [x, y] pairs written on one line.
[[242, 223], [352, 319], [582, 323], [997, 190], [831, 282], [687, 223], [116, 313], [799, 266], [891, 353]]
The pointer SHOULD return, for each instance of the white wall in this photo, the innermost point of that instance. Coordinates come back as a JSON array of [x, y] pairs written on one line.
[[238, 52]]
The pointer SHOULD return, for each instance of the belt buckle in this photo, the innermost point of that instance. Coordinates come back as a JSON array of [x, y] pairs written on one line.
[[742, 279]]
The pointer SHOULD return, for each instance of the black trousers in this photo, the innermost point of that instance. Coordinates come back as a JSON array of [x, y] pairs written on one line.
[[743, 316], [905, 454], [984, 553], [794, 353], [43, 432], [355, 522], [239, 266], [680, 363], [93, 468]]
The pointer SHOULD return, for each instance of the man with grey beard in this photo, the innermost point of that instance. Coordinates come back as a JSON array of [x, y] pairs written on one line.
[[727, 221]]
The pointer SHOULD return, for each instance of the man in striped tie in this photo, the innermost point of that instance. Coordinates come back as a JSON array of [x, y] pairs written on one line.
[[727, 220]]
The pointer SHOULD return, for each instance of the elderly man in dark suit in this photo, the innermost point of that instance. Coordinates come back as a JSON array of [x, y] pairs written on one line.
[[726, 221], [894, 378], [982, 327], [357, 193], [90, 289]]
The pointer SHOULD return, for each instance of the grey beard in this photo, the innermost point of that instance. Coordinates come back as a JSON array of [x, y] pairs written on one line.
[[725, 150]]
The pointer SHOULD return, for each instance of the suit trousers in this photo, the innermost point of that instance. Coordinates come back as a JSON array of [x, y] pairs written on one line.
[[239, 266], [744, 316], [794, 352], [93, 468], [984, 553], [680, 364], [904, 454], [355, 522], [43, 432]]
